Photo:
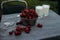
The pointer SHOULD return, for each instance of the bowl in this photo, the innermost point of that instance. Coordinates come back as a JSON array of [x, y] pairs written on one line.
[[30, 22]]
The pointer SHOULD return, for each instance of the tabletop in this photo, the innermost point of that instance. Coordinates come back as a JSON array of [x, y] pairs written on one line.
[[51, 27]]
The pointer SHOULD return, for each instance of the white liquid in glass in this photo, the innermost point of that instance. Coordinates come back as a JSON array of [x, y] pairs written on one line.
[[39, 11], [46, 9]]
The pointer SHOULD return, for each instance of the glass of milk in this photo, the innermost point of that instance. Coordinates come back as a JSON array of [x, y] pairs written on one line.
[[46, 9], [39, 11]]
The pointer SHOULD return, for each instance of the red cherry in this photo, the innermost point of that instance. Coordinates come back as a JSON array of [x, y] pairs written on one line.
[[27, 30], [19, 23], [17, 33], [35, 15], [18, 29], [26, 11], [10, 33], [40, 25], [30, 17], [32, 11], [23, 28], [23, 14], [31, 14]]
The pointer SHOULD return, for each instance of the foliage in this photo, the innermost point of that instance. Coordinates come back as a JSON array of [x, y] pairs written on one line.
[[33, 3]]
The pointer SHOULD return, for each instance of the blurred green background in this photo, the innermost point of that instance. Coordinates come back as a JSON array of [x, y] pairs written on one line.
[[33, 3], [53, 4]]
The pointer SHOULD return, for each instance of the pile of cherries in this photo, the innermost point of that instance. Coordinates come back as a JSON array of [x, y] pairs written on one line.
[[18, 31], [28, 14]]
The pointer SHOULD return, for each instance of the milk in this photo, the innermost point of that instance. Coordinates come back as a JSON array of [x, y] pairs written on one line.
[[39, 11], [46, 9]]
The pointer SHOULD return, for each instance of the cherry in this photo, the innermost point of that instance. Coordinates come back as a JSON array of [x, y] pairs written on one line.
[[17, 33], [26, 11], [29, 14], [24, 14], [32, 11], [39, 25], [19, 23], [10, 33], [27, 30], [30, 17], [18, 29], [23, 28]]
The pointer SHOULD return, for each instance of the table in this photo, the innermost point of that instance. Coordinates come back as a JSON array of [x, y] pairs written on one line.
[[51, 28]]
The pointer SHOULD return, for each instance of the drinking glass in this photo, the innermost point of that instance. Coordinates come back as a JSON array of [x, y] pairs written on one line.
[[46, 9]]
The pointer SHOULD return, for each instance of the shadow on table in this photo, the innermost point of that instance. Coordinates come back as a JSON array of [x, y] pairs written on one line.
[[52, 38]]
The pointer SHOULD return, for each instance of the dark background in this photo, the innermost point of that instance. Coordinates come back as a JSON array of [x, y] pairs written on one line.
[[55, 5], [48, 0]]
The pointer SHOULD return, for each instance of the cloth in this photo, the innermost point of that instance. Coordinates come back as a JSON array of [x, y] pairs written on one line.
[[51, 27]]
